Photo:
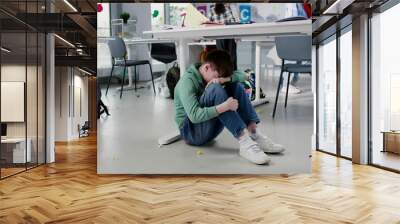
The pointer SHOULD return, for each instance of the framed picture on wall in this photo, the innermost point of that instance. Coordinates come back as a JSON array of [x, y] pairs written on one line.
[[12, 101]]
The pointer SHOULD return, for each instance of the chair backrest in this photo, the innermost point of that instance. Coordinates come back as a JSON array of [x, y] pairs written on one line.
[[294, 48], [86, 125], [117, 47], [164, 52]]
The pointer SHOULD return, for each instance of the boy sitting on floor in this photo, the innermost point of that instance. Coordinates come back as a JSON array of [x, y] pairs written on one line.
[[210, 97]]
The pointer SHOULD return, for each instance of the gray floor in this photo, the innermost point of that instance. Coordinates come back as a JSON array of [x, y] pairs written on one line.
[[127, 140]]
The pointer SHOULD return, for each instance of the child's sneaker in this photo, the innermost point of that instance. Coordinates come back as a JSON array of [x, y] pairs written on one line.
[[266, 144], [251, 151]]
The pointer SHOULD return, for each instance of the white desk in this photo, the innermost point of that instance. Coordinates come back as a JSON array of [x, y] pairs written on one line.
[[19, 155], [184, 36]]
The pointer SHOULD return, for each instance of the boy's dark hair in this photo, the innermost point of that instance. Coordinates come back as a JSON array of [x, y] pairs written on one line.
[[221, 61]]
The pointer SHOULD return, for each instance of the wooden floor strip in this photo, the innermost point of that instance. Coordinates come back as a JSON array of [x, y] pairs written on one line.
[[70, 191]]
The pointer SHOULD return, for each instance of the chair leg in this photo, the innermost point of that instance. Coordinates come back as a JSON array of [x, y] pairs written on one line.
[[135, 76], [287, 89], [152, 78], [123, 82], [109, 79], [277, 93]]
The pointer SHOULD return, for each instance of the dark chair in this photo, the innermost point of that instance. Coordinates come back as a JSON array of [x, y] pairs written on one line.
[[84, 130], [163, 52], [118, 51], [292, 48]]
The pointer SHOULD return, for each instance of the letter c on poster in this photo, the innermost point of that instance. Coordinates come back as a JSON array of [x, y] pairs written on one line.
[[245, 13]]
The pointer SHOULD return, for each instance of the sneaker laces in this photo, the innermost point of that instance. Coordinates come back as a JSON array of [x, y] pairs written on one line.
[[267, 140], [255, 148]]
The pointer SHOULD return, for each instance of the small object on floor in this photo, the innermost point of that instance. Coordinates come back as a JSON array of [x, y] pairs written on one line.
[[169, 138], [137, 95], [199, 152], [259, 111]]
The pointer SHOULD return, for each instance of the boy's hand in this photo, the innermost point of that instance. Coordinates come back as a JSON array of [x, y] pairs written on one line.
[[230, 104]]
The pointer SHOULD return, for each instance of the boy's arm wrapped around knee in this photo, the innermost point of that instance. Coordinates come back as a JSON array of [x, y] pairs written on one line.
[[230, 104], [192, 107]]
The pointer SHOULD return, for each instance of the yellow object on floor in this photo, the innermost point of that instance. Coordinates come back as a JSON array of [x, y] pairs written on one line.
[[259, 111]]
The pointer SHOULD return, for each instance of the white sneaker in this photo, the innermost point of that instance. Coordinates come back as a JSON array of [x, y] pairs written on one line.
[[252, 152], [292, 89], [266, 144]]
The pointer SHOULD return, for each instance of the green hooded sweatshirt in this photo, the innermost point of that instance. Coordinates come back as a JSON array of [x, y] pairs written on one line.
[[187, 95]]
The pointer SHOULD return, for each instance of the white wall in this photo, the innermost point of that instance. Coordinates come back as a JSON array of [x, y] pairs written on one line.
[[69, 82]]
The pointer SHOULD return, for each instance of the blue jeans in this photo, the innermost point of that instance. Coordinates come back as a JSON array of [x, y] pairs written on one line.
[[234, 121]]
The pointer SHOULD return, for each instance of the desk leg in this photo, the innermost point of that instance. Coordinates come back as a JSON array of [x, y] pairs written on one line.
[[183, 54], [130, 81], [257, 100]]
